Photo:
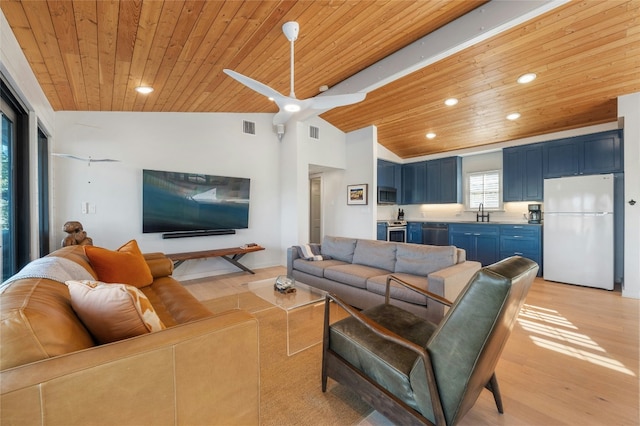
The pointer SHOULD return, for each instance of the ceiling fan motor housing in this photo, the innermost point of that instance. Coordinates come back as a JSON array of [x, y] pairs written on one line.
[[291, 30]]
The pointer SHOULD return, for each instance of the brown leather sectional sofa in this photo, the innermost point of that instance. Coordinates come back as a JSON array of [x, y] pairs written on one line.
[[202, 369]]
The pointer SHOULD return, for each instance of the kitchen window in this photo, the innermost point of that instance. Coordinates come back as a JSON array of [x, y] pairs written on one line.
[[484, 187]]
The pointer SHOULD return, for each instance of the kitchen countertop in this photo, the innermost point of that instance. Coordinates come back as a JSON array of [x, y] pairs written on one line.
[[497, 222]]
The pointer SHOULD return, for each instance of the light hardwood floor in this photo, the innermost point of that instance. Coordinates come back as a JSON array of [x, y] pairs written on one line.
[[572, 358]]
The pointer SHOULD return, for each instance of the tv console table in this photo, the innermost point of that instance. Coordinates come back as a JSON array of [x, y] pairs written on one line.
[[232, 255]]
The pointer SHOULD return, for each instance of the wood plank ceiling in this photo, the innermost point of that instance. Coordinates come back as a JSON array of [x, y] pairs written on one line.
[[89, 55]]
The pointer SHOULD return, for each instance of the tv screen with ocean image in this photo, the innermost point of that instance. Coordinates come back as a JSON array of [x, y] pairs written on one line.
[[175, 201]]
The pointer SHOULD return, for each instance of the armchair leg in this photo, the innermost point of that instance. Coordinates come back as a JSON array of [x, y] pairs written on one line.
[[325, 342], [495, 390]]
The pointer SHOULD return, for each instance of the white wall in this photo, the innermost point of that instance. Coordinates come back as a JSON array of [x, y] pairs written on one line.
[[629, 110], [185, 142]]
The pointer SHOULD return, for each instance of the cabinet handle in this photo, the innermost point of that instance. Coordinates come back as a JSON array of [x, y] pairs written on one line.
[[476, 234], [467, 233], [518, 227], [517, 236], [518, 253]]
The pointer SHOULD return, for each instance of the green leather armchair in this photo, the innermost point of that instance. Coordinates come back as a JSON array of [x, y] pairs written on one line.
[[416, 372]]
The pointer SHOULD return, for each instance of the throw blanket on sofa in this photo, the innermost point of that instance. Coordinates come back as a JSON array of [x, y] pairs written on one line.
[[53, 268], [311, 252]]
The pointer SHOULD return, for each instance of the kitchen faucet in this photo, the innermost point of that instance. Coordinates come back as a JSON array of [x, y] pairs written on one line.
[[481, 215]]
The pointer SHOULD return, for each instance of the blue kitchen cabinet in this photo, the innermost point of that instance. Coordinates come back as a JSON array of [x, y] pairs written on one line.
[[481, 242], [382, 231], [414, 178], [522, 173], [414, 232], [389, 174], [444, 181], [583, 155], [522, 240], [559, 158], [602, 153]]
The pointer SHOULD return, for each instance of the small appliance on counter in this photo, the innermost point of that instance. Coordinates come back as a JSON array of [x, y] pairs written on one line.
[[400, 214], [535, 215]]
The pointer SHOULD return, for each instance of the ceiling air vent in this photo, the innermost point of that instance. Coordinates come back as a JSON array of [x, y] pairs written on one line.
[[314, 132], [248, 127]]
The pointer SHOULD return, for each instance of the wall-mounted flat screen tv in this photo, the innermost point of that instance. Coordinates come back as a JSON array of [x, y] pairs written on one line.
[[174, 202]]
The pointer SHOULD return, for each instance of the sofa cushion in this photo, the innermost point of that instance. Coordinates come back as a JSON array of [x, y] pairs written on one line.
[[37, 322], [424, 259], [315, 267], [125, 265], [378, 285], [352, 274], [379, 254], [339, 248], [113, 312], [173, 303]]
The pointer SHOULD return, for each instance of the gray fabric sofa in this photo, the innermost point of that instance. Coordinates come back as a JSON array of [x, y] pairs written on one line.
[[356, 270]]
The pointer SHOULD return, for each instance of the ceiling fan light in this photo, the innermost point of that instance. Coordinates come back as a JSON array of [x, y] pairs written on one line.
[[145, 90], [451, 102], [527, 78], [292, 107], [513, 116], [430, 135]]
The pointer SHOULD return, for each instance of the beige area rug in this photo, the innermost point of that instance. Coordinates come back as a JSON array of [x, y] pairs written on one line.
[[290, 386]]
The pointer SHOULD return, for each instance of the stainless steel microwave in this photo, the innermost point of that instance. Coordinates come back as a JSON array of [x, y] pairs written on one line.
[[387, 195]]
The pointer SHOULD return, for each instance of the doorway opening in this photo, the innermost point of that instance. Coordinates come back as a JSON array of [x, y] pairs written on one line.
[[315, 209]]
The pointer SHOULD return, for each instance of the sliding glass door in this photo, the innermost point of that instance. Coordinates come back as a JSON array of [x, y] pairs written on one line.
[[14, 173], [6, 185]]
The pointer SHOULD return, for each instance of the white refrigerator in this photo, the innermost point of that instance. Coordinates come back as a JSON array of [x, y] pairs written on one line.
[[578, 230]]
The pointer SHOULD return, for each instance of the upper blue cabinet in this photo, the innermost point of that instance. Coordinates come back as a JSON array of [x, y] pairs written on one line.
[[414, 183], [389, 174], [522, 173], [444, 180], [583, 155], [525, 167], [432, 182]]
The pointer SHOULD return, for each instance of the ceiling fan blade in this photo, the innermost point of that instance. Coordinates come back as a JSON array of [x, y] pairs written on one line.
[[252, 84], [87, 159], [333, 101]]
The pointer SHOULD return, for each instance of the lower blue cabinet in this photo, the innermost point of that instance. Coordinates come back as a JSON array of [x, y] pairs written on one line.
[[414, 232], [522, 240], [481, 242]]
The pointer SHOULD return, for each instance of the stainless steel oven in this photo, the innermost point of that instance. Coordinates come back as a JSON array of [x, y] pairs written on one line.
[[397, 231]]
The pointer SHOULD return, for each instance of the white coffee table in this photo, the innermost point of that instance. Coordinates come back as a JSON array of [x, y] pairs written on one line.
[[304, 311]]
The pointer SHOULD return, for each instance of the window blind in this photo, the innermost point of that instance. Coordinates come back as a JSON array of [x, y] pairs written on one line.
[[484, 187]]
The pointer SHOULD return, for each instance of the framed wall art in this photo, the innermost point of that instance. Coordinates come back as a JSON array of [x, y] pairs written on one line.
[[357, 194]]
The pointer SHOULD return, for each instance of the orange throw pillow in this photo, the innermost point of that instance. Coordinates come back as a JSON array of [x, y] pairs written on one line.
[[125, 265]]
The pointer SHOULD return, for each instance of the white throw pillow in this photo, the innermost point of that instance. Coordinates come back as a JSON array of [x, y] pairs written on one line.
[[113, 312]]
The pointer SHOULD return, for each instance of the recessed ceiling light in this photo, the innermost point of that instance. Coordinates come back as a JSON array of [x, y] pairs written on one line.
[[430, 135], [526, 78], [145, 90], [513, 116], [451, 102]]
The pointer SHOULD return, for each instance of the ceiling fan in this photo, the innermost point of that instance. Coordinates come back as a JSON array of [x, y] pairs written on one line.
[[88, 160], [290, 105]]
